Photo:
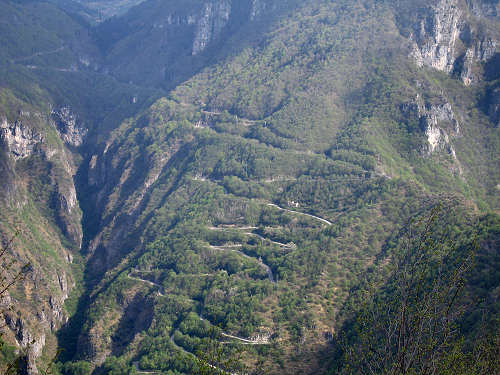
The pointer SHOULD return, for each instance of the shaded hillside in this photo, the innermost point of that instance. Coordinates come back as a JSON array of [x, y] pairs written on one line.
[[439, 297], [48, 111], [250, 202], [327, 115], [166, 42]]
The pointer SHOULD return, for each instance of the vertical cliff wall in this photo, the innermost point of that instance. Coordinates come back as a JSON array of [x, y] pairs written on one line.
[[40, 201], [452, 36]]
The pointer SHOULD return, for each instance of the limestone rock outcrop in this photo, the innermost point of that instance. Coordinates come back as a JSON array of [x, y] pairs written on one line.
[[447, 36], [214, 18], [435, 36], [70, 130], [21, 140], [437, 121]]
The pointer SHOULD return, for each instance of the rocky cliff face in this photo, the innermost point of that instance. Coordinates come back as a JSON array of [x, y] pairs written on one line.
[[480, 51], [44, 206], [485, 8], [448, 37], [162, 40], [435, 35], [162, 168], [439, 124], [433, 119], [70, 130], [21, 140], [108, 8], [213, 20], [258, 8], [29, 329]]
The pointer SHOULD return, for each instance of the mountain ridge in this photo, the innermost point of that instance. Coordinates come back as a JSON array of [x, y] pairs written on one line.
[[249, 196]]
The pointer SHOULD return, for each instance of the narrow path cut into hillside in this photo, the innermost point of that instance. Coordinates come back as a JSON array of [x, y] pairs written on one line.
[[228, 228], [232, 248], [139, 371], [161, 291], [180, 348], [264, 239], [300, 213], [37, 54], [263, 341]]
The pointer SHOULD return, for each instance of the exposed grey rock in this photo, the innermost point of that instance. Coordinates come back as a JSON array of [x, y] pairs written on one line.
[[30, 333], [485, 8], [435, 36], [443, 38], [438, 122], [20, 139], [68, 127], [480, 51], [63, 285], [58, 315], [31, 344], [109, 8], [214, 18], [433, 118], [65, 203], [258, 8], [93, 174]]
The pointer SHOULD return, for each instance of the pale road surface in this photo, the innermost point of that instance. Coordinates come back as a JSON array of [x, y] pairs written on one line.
[[254, 342], [246, 341], [228, 228], [139, 371], [192, 355], [267, 239], [231, 248], [180, 348], [160, 292], [300, 213], [38, 54]]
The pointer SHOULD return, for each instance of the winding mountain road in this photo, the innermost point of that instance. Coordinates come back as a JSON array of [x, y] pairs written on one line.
[[223, 229], [246, 341], [270, 274], [300, 213], [180, 348], [139, 371], [226, 228], [160, 287], [267, 239], [37, 54], [245, 121], [172, 337]]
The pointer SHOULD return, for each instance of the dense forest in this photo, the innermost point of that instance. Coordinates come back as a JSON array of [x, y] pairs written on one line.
[[250, 187]]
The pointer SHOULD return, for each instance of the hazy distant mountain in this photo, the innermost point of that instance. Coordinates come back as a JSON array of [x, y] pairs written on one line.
[[103, 9]]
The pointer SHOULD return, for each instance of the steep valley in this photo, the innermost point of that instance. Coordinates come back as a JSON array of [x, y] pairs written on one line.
[[228, 178]]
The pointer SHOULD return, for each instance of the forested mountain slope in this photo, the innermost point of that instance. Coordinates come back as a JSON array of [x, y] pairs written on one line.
[[49, 108], [251, 201]]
